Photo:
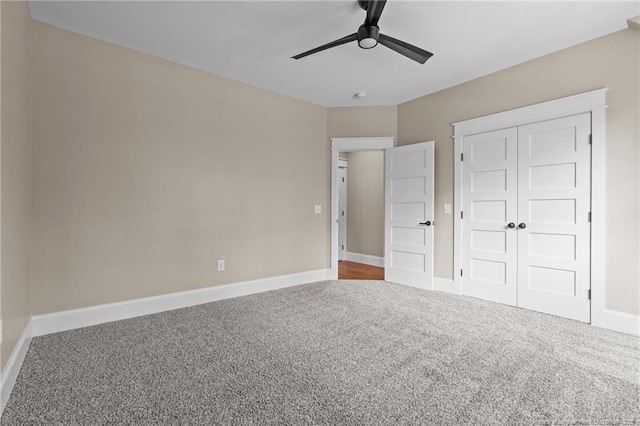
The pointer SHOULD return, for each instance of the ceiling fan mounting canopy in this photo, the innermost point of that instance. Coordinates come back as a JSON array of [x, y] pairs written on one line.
[[368, 36], [364, 4]]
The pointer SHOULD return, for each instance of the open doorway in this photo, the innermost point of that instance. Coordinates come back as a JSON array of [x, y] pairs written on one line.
[[341, 148], [408, 208], [361, 215]]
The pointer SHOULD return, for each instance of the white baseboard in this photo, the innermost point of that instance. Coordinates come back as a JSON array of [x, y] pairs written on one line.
[[622, 322], [93, 315], [12, 368], [366, 259], [613, 320], [445, 285]]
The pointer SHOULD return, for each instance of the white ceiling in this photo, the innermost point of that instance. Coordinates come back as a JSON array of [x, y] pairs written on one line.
[[252, 41]]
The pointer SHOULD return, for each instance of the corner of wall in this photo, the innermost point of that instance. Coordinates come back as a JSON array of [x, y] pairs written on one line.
[[31, 103], [1, 325], [16, 177]]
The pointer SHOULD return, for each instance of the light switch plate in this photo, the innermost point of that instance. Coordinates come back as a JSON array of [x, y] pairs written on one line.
[[317, 209], [447, 209]]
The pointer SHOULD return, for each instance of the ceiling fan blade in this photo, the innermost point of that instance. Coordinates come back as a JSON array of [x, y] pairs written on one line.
[[406, 49], [374, 10], [343, 40]]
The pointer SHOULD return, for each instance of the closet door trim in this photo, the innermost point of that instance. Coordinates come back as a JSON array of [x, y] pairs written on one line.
[[593, 102]]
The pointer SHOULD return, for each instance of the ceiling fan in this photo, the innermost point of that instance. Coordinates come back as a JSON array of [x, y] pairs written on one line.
[[369, 35]]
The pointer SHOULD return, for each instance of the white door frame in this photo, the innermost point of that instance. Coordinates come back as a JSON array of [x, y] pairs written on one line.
[[593, 102], [347, 145]]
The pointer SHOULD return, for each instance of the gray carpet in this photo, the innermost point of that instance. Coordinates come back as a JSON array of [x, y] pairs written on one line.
[[334, 353]]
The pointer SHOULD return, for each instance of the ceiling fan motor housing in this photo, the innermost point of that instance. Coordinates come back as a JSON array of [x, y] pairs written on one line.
[[368, 36]]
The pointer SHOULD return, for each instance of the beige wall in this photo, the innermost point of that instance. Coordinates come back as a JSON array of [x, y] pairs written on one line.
[[147, 172], [365, 203], [16, 168], [611, 61], [2, 359], [353, 122]]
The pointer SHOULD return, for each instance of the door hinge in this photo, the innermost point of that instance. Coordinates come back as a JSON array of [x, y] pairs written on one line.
[[343, 179], [343, 213], [589, 294], [343, 247], [461, 215], [590, 139], [461, 156], [589, 216], [460, 272]]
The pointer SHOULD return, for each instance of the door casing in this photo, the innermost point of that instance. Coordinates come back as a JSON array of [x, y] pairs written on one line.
[[347, 145]]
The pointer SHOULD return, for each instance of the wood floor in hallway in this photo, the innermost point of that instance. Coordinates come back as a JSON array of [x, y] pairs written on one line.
[[359, 271]]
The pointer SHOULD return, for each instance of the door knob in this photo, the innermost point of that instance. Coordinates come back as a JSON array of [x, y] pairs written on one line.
[[511, 225], [427, 223], [522, 225]]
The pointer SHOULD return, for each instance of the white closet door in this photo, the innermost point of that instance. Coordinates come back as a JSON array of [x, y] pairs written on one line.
[[489, 194], [554, 161], [409, 215]]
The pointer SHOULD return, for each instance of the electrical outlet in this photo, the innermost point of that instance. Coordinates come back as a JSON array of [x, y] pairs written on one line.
[[317, 208], [447, 209], [221, 265]]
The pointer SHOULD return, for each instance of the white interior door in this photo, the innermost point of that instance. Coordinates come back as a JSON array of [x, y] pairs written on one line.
[[409, 215], [489, 215], [554, 179], [342, 210]]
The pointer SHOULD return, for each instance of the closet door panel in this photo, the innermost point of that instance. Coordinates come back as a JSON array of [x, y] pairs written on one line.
[[489, 177], [554, 175]]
